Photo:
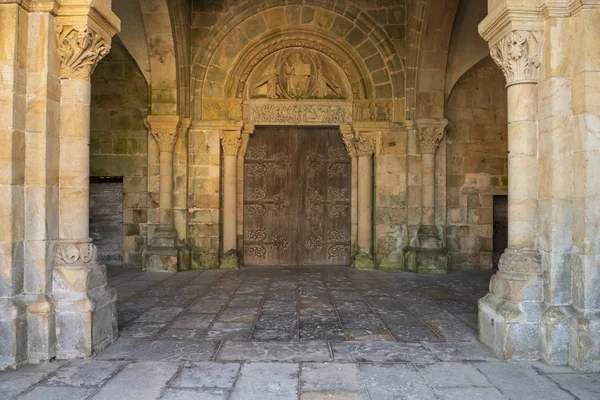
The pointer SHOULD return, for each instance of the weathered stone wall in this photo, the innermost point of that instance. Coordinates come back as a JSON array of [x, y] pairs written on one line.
[[476, 163], [391, 218], [119, 142]]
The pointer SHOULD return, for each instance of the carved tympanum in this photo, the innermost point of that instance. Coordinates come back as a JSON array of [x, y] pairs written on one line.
[[298, 73], [519, 55], [80, 49]]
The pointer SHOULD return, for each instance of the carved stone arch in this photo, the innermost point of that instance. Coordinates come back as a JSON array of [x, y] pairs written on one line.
[[429, 32], [163, 56], [374, 56]]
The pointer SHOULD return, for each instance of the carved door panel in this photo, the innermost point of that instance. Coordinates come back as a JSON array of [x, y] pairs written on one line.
[[269, 198], [296, 198], [324, 194]]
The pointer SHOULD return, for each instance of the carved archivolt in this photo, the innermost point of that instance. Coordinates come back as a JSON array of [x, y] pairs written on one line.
[[80, 49], [519, 55], [297, 74]]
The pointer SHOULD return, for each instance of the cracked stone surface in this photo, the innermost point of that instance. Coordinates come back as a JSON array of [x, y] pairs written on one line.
[[310, 333]]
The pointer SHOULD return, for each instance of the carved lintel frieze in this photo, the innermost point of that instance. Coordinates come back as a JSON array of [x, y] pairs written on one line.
[[519, 55], [165, 130], [80, 49], [296, 112], [372, 110], [75, 253], [429, 133], [221, 109], [231, 141]]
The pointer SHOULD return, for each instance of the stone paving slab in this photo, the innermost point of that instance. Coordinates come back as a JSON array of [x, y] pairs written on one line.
[[312, 333], [274, 351]]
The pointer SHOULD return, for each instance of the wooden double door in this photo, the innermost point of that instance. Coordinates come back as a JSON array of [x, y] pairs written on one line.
[[296, 198]]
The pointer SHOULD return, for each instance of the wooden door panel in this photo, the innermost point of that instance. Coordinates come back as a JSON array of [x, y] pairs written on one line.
[[269, 202], [296, 198], [324, 188]]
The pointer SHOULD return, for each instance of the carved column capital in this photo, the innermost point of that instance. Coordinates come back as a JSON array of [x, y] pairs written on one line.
[[349, 139], [80, 49], [231, 141], [519, 55], [429, 133], [365, 146], [165, 130]]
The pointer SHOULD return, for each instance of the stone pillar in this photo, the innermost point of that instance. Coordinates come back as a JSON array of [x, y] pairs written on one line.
[[86, 319], [162, 253], [13, 66], [509, 316], [430, 257], [365, 148], [348, 137], [230, 141]]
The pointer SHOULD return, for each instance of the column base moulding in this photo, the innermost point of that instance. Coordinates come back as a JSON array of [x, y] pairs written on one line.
[[86, 314], [363, 260], [509, 316], [584, 344], [163, 254], [426, 260], [229, 260], [13, 333]]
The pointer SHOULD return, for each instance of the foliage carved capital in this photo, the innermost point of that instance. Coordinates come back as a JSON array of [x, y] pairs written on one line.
[[365, 146], [429, 134], [80, 49], [165, 130], [231, 141], [519, 55]]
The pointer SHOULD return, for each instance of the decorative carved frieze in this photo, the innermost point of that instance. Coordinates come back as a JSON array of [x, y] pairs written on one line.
[[80, 49], [376, 110], [293, 113], [165, 130], [75, 253], [231, 141], [221, 109], [519, 55]]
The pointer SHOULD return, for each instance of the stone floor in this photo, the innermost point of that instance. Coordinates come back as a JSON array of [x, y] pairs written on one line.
[[304, 334]]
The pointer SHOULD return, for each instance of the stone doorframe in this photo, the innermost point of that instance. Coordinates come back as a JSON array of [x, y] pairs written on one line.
[[360, 140]]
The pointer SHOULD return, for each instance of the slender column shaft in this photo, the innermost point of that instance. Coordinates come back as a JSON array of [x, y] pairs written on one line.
[[229, 202], [365, 203], [166, 188], [428, 189], [522, 165]]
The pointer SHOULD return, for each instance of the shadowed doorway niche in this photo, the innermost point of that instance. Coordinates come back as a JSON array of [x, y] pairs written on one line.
[[297, 205]]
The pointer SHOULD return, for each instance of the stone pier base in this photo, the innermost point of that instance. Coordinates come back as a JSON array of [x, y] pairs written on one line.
[[585, 342], [230, 260], [363, 260], [162, 255], [86, 314]]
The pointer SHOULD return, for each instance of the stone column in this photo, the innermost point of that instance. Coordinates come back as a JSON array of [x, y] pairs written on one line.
[[348, 137], [230, 141], [162, 254], [365, 148], [509, 315], [430, 257], [86, 319]]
